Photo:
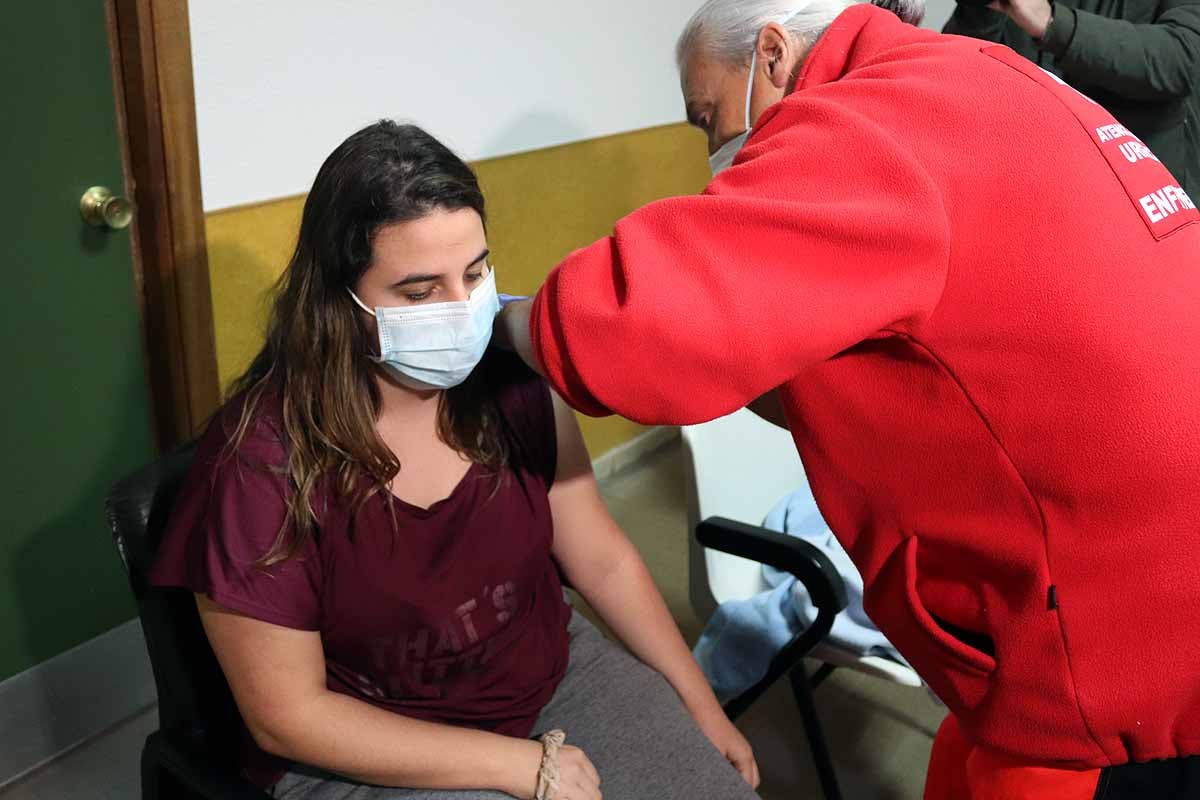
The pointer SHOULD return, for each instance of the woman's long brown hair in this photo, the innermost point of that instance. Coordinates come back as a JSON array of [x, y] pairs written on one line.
[[315, 366]]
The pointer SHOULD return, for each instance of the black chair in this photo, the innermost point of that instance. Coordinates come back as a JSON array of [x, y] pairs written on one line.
[[828, 592], [193, 754]]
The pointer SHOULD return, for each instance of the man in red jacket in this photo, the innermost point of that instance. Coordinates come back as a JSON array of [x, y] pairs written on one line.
[[976, 297]]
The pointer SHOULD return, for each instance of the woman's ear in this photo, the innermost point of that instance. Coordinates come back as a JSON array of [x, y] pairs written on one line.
[[775, 54]]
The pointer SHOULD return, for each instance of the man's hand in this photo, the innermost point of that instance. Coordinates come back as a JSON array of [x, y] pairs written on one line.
[[1031, 16]]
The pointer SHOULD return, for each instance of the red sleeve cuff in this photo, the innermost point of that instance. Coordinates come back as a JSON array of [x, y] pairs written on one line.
[[550, 350]]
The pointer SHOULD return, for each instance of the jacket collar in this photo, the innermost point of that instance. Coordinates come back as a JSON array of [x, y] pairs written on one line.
[[834, 53]]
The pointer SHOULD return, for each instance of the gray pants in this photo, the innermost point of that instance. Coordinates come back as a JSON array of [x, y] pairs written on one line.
[[622, 714]]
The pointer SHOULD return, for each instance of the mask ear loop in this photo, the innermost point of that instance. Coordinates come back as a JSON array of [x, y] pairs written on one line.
[[360, 303], [750, 85], [784, 20]]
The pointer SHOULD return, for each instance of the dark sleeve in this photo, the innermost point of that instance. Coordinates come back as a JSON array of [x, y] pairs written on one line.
[[1153, 61], [227, 517], [526, 415], [979, 22]]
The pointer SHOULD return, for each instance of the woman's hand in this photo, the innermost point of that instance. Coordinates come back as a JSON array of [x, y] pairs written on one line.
[[577, 778], [730, 742]]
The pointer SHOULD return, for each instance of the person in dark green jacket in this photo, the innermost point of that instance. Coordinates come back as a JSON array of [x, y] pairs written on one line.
[[1140, 59]]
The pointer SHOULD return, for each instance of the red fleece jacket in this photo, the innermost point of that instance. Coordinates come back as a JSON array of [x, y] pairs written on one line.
[[979, 297]]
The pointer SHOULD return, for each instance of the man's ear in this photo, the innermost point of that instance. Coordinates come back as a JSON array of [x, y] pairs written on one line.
[[775, 54]]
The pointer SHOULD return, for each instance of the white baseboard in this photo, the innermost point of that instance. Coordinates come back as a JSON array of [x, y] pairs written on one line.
[[66, 700], [632, 453]]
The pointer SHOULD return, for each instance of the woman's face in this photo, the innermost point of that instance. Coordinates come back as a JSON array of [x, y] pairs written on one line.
[[438, 258]]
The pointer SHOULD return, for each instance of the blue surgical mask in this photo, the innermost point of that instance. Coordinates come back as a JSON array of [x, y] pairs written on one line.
[[723, 158], [436, 346]]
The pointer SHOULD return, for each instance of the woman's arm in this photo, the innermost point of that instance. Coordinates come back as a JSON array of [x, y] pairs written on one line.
[[277, 676], [605, 568], [511, 332]]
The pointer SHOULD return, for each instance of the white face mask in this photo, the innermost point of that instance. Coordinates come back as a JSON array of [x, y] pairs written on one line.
[[723, 158], [436, 346]]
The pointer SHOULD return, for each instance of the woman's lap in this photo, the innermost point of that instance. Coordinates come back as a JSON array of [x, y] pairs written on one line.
[[633, 727], [622, 714], [313, 786]]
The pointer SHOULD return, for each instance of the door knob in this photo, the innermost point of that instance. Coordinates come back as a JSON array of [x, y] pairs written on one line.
[[101, 208]]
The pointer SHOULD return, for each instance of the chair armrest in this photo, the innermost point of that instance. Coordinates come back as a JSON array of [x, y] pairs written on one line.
[[196, 771], [811, 567]]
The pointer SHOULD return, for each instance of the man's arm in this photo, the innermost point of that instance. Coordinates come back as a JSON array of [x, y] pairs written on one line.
[[1155, 61], [979, 22], [698, 305]]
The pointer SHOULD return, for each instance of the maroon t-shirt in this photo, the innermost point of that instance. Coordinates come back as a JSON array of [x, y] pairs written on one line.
[[455, 616]]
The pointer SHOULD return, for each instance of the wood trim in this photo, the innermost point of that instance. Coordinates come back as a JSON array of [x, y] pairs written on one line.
[[157, 105]]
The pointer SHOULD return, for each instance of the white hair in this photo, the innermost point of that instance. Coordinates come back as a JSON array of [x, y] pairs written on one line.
[[728, 30]]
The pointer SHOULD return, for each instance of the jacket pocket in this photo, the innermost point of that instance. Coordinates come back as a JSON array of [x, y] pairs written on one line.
[[959, 673]]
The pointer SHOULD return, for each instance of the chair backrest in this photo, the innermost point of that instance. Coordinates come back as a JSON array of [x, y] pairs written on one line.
[[738, 466], [193, 698]]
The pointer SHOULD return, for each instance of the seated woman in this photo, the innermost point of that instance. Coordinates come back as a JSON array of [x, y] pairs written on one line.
[[378, 524]]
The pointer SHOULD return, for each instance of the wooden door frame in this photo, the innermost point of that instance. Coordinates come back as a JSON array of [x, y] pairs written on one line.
[[151, 49]]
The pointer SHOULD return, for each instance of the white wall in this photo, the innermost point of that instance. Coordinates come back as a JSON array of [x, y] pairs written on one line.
[[279, 83], [937, 12]]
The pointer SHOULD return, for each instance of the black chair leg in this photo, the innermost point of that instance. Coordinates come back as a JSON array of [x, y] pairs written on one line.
[[823, 672], [816, 735]]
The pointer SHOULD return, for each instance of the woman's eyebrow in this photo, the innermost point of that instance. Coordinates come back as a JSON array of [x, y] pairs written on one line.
[[478, 258], [418, 277], [426, 277]]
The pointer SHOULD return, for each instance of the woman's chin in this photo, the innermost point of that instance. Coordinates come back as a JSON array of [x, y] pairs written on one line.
[[392, 381]]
